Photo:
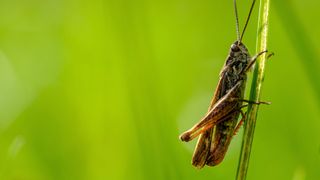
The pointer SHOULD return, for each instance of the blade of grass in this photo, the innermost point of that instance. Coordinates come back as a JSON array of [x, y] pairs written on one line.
[[258, 76]]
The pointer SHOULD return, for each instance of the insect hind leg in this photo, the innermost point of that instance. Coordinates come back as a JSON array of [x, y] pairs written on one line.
[[244, 115]]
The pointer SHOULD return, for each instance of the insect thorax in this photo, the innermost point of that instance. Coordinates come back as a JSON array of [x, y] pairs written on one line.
[[236, 62]]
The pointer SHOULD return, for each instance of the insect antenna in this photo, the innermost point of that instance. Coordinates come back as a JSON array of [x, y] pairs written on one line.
[[237, 20], [245, 26]]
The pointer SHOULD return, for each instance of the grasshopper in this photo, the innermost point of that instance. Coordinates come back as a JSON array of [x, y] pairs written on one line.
[[219, 125]]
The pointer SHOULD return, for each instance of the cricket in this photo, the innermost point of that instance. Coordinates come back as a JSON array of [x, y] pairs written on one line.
[[220, 124]]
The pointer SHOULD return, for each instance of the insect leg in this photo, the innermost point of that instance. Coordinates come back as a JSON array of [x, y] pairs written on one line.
[[254, 102], [222, 108], [250, 102], [199, 158], [243, 106], [253, 60], [270, 55], [202, 149], [205, 124], [240, 122]]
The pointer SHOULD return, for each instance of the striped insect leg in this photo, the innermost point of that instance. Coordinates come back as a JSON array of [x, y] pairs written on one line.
[[223, 107]]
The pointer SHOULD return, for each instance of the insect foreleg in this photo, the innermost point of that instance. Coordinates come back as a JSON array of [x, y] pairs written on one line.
[[253, 60], [270, 55]]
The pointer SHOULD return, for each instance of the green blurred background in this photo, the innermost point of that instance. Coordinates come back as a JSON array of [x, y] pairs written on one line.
[[101, 89]]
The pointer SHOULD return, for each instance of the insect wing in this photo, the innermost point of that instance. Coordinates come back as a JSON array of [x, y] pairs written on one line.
[[202, 149]]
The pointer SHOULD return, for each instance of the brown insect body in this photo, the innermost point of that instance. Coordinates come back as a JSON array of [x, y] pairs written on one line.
[[218, 126], [234, 73], [232, 81]]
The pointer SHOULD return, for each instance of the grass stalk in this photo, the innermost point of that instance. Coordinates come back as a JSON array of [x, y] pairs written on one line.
[[255, 92]]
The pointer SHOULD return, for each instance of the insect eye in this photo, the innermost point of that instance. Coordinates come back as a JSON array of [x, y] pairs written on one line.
[[235, 48]]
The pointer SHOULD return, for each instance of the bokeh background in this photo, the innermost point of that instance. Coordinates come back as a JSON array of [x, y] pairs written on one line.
[[101, 89]]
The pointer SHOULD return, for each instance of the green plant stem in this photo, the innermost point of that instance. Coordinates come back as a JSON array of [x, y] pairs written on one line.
[[256, 85]]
